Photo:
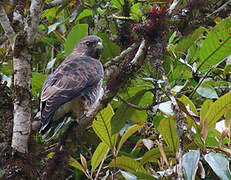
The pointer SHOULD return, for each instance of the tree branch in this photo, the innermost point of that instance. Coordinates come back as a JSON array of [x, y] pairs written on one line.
[[6, 25], [157, 52], [36, 8], [53, 3], [180, 122], [148, 107], [108, 65], [225, 5], [3, 38]]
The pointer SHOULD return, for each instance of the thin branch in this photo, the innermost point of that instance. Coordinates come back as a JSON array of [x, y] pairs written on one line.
[[5, 22], [201, 81], [139, 54], [53, 3], [148, 107], [121, 17], [101, 164], [180, 122], [35, 14], [220, 8], [173, 6], [117, 59]]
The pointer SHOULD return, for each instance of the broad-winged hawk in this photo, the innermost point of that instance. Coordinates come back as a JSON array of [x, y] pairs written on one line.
[[75, 87]]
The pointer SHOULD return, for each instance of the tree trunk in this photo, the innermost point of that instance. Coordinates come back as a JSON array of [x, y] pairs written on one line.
[[22, 102]]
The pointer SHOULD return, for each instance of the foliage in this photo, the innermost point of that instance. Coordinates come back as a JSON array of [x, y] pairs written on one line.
[[142, 143]]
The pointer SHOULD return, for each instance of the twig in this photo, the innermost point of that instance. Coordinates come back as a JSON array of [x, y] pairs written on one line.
[[219, 9], [139, 53], [53, 3], [201, 81], [101, 164], [5, 22], [121, 17], [117, 59], [148, 107], [173, 6]]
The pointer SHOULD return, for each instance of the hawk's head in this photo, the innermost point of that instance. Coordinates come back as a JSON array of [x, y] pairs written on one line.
[[89, 46]]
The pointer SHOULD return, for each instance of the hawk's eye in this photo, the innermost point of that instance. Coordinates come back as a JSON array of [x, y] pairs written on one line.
[[88, 43]]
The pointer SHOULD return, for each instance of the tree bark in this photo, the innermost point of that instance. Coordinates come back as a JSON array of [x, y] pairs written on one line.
[[22, 72], [22, 103]]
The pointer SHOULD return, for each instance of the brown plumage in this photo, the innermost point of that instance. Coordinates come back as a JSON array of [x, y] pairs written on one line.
[[75, 87]]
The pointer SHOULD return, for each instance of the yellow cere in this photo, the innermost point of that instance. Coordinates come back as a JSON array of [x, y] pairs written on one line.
[[99, 43]]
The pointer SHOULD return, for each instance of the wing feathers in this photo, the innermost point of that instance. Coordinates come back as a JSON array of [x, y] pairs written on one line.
[[71, 79]]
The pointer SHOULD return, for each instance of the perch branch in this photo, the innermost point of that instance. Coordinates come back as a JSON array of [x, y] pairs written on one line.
[[110, 66]]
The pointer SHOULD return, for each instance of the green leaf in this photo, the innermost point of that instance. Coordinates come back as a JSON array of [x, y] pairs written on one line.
[[228, 117], [203, 123], [220, 165], [154, 154], [110, 49], [37, 82], [136, 12], [102, 126], [204, 108], [51, 40], [207, 91], [85, 13], [125, 112], [190, 163], [74, 163], [216, 46], [167, 129], [145, 176], [7, 70], [130, 131], [100, 152], [53, 27], [128, 164], [49, 13], [118, 3], [187, 102], [227, 69], [173, 36], [211, 139], [77, 32], [156, 120], [186, 42], [217, 109]]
